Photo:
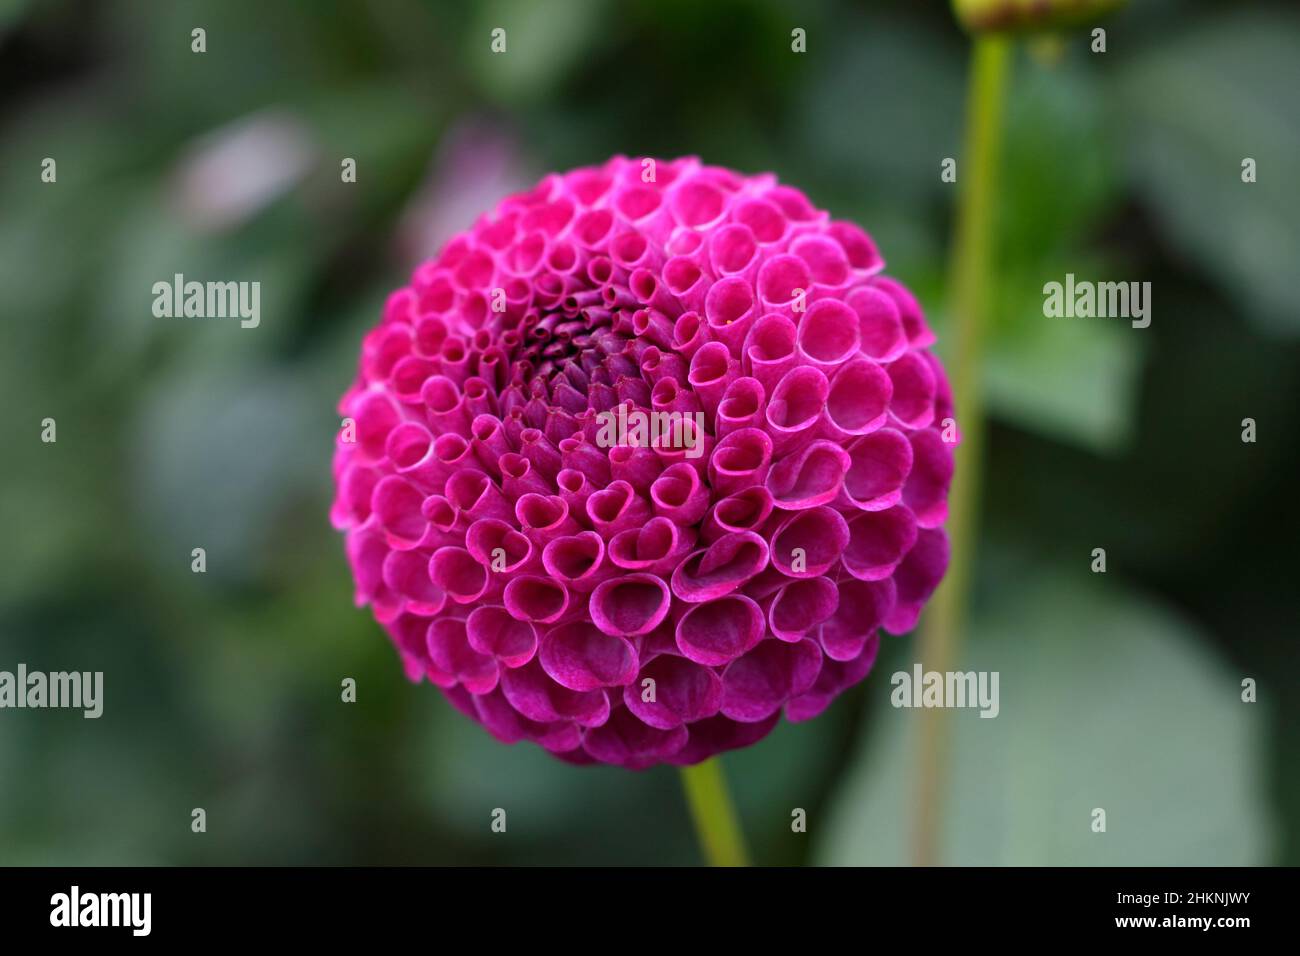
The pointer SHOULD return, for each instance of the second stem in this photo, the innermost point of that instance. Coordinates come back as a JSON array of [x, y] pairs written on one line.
[[945, 620]]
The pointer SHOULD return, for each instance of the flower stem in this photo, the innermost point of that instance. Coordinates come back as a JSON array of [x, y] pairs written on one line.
[[970, 276], [716, 823]]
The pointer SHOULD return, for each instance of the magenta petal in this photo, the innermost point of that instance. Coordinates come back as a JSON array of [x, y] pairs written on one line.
[[810, 477], [717, 734], [678, 691], [796, 406], [880, 327], [828, 333], [878, 466], [627, 742], [579, 656], [532, 692], [862, 608], [926, 490], [917, 577], [492, 631], [878, 540], [498, 546], [456, 572], [859, 397], [537, 599], [396, 503], [616, 508], [679, 495], [800, 606], [656, 547], [915, 390], [756, 686], [630, 605], [501, 720], [742, 406], [576, 561], [835, 677], [918, 333], [769, 350], [745, 510], [719, 631], [813, 540], [450, 651], [740, 460], [720, 568]]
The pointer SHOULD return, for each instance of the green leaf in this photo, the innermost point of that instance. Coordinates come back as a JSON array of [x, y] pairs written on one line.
[[1196, 107], [1071, 379], [1106, 701]]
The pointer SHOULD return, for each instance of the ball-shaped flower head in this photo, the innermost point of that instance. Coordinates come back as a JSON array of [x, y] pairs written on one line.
[[569, 573]]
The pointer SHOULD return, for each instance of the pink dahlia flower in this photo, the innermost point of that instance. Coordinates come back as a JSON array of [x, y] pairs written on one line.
[[636, 598]]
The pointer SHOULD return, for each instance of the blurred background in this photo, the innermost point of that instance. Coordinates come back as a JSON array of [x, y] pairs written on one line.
[[222, 690]]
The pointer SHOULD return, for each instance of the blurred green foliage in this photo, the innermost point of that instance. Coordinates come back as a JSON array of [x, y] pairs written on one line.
[[222, 690]]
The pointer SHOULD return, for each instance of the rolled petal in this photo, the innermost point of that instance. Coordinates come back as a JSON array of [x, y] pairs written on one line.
[[926, 490], [679, 495], [758, 684], [878, 540], [625, 741], [537, 599], [744, 510], [808, 543], [630, 605], [722, 567], [456, 572], [800, 606], [834, 678], [719, 631], [450, 651], [740, 460], [492, 631], [810, 477], [577, 561], [579, 656], [616, 508], [530, 690], [859, 397], [863, 607], [671, 691], [914, 394], [916, 578], [407, 573], [796, 407], [878, 466], [770, 350], [828, 333]]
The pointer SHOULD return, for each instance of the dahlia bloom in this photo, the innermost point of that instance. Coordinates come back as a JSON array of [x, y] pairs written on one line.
[[656, 601]]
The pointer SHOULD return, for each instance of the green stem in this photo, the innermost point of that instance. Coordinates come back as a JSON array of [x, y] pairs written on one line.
[[945, 619], [716, 823]]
